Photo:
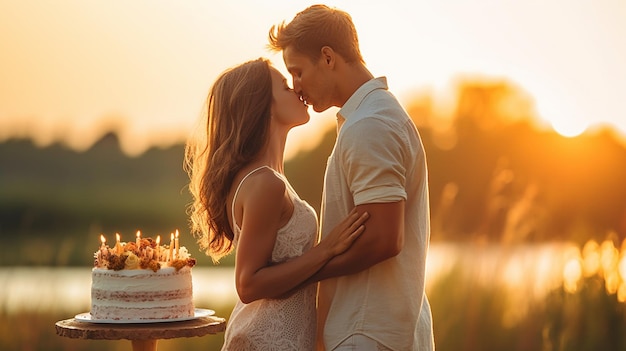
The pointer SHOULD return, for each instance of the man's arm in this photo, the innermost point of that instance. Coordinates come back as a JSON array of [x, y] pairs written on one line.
[[383, 238]]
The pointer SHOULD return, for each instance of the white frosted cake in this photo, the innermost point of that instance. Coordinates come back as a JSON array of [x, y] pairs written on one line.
[[142, 281]]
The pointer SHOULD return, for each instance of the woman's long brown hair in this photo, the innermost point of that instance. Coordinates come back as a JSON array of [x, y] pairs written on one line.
[[236, 130]]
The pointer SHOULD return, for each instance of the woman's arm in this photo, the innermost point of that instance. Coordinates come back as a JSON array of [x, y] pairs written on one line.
[[264, 202]]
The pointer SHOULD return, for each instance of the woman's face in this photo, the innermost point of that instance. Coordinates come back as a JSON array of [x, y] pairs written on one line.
[[287, 109]]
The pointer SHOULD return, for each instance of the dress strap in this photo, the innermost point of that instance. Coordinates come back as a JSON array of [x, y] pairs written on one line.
[[232, 207]]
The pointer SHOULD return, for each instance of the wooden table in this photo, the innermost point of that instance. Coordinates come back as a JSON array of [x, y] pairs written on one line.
[[143, 336]]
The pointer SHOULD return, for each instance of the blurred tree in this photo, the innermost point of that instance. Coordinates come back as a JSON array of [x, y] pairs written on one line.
[[492, 175], [511, 180]]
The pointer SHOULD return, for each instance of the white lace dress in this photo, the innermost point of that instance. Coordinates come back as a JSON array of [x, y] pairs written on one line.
[[285, 324]]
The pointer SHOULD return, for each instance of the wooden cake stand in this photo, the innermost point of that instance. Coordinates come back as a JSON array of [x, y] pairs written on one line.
[[143, 336]]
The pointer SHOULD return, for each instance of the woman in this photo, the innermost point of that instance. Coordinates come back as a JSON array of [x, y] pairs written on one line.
[[243, 200]]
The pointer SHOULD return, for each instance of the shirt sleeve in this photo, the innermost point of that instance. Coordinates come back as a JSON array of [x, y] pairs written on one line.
[[373, 160]]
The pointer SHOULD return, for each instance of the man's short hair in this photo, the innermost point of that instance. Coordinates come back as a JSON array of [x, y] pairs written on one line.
[[315, 27]]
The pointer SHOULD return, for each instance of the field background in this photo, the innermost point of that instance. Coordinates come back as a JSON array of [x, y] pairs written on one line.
[[496, 180]]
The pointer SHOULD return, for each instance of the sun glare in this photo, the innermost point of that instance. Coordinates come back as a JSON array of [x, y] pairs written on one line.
[[565, 120], [568, 129]]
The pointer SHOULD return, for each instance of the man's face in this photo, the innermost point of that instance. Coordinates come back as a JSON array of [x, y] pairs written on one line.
[[311, 80]]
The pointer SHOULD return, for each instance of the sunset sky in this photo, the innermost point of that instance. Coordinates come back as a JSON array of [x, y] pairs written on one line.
[[71, 69]]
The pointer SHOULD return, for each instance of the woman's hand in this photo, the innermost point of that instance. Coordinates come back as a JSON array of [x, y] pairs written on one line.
[[334, 244], [344, 234]]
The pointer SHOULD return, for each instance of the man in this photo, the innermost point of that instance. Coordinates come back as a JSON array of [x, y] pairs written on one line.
[[371, 297]]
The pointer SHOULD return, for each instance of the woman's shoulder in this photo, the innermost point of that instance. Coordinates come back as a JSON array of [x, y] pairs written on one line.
[[262, 182]]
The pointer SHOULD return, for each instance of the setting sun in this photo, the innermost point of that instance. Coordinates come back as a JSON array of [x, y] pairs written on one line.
[[567, 119], [568, 129]]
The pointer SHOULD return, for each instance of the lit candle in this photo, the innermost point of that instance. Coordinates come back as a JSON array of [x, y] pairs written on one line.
[[138, 240], [170, 258], [176, 243], [103, 248], [158, 248], [118, 245]]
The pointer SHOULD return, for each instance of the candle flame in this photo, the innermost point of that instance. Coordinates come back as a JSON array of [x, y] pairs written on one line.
[[102, 239], [138, 233], [177, 233], [117, 236], [158, 240], [172, 234]]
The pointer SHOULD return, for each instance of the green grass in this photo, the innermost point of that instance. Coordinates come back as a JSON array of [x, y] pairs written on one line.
[[467, 316], [36, 332]]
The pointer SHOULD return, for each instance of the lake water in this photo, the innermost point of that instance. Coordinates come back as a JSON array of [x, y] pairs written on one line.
[[526, 271]]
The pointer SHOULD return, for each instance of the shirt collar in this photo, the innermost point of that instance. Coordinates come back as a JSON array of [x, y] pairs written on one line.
[[359, 95]]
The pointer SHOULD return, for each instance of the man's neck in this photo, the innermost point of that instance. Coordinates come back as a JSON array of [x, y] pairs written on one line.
[[356, 75]]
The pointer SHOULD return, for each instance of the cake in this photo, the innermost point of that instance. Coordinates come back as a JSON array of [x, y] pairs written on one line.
[[142, 281]]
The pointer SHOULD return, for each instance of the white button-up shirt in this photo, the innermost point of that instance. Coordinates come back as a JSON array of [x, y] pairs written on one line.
[[379, 158]]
